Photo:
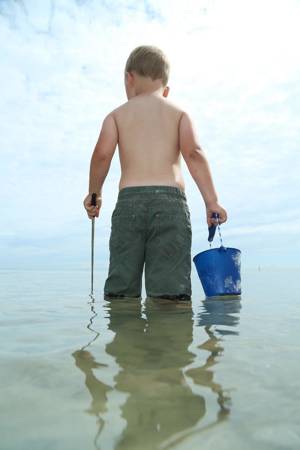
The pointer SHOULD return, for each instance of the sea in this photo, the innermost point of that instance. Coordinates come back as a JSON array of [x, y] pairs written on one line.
[[79, 372]]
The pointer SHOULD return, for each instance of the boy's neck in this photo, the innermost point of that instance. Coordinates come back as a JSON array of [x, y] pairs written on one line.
[[146, 86], [150, 91]]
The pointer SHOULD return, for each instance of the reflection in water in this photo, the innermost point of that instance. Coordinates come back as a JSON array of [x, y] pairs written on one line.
[[89, 326], [219, 312], [152, 353], [215, 312], [98, 390], [150, 346]]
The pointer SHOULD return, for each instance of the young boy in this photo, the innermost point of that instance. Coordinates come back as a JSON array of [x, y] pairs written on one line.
[[151, 221]]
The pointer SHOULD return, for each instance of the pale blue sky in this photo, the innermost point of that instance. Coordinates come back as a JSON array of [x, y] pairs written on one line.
[[234, 65]]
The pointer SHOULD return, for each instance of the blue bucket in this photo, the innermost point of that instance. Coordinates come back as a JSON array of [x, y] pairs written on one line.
[[219, 269]]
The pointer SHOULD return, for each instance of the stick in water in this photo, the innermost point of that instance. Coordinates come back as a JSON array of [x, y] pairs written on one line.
[[93, 203]]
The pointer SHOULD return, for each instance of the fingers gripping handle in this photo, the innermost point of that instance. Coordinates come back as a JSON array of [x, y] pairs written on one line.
[[94, 199], [212, 228]]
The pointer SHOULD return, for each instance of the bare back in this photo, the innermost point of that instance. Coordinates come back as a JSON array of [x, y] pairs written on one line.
[[148, 142]]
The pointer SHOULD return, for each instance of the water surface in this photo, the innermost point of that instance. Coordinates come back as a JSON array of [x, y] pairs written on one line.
[[78, 373]]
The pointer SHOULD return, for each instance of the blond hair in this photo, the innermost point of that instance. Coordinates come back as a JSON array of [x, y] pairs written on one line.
[[149, 60]]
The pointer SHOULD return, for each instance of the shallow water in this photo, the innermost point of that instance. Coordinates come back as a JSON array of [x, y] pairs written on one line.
[[83, 374]]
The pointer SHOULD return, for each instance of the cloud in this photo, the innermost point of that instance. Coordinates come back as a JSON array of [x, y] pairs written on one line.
[[62, 72]]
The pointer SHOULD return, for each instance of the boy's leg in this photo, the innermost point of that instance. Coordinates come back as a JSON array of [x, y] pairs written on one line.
[[126, 245], [168, 248]]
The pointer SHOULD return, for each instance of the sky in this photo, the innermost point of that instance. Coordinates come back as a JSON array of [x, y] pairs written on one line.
[[234, 66]]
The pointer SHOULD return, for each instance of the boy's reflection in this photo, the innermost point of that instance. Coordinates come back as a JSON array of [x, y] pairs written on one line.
[[151, 348], [152, 353]]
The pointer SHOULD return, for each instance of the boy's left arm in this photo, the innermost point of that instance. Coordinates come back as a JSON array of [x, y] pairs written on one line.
[[100, 163]]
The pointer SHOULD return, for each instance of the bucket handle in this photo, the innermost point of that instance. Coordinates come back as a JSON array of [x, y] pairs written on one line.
[[212, 229]]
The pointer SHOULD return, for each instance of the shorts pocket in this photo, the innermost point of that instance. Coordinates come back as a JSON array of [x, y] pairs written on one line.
[[122, 231], [123, 208], [175, 233], [180, 217]]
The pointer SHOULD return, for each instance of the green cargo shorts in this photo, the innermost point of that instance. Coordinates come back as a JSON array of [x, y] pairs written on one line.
[[150, 226]]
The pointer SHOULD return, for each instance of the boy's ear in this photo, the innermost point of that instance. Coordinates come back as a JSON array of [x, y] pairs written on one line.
[[166, 91], [129, 77]]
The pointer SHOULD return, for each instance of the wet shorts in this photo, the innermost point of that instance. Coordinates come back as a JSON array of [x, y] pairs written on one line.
[[150, 226]]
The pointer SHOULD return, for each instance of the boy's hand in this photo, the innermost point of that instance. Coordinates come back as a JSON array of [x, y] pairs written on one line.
[[92, 211], [215, 207]]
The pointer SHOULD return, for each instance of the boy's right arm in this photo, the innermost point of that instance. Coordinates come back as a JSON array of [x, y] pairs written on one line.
[[198, 167]]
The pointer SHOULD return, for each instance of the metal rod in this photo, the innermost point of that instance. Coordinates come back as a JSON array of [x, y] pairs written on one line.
[[92, 256], [93, 203]]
